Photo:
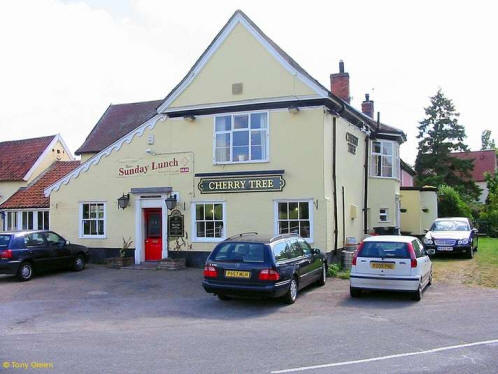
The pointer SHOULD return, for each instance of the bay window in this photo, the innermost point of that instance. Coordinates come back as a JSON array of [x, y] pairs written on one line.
[[241, 138], [384, 160]]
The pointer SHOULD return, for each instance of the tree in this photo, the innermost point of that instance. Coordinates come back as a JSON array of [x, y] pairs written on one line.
[[489, 215], [486, 141], [450, 204], [440, 134]]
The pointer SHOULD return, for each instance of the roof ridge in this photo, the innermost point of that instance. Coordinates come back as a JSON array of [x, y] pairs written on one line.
[[29, 139]]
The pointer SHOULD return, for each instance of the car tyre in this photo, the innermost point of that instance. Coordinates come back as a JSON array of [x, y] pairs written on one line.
[[430, 279], [355, 292], [224, 297], [79, 263], [291, 295], [323, 277], [470, 255], [417, 295], [25, 272]]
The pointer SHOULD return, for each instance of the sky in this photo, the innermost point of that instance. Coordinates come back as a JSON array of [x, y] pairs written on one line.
[[64, 61]]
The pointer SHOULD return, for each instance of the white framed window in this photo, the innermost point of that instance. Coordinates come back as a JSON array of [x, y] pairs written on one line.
[[294, 217], [208, 221], [10, 223], [241, 137], [43, 220], [383, 215], [384, 161], [92, 220], [27, 220]]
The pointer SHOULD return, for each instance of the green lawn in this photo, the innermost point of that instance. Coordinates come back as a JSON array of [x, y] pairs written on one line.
[[482, 270]]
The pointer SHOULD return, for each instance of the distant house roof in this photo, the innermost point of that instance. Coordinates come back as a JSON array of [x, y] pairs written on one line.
[[32, 196], [117, 121], [407, 168], [484, 161], [17, 157]]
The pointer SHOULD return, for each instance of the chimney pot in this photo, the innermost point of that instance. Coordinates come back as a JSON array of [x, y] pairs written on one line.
[[339, 83], [367, 107], [367, 97]]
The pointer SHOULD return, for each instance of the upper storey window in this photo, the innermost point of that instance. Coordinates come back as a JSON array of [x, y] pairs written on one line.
[[241, 138], [384, 159]]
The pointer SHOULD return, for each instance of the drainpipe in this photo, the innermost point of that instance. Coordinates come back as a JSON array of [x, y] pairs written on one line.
[[365, 198], [334, 178]]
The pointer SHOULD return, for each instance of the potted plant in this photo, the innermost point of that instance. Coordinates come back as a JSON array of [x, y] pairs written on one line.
[[122, 260], [176, 260]]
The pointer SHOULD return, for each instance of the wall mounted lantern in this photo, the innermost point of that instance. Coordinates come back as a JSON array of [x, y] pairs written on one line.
[[171, 202], [189, 117], [123, 201], [293, 109]]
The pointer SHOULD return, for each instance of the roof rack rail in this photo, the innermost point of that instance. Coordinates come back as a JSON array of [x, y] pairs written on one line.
[[282, 236], [241, 235]]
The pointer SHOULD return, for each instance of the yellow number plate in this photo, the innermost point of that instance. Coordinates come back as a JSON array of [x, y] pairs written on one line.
[[237, 274], [381, 265]]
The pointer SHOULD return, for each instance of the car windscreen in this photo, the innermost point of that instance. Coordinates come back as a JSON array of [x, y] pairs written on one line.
[[450, 225], [4, 241], [384, 250], [239, 252]]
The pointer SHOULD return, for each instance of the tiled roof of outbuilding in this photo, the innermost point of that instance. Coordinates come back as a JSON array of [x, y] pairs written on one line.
[[32, 196], [117, 121], [484, 161], [17, 157]]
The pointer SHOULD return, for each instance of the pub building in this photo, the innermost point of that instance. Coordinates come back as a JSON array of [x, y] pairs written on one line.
[[247, 141]]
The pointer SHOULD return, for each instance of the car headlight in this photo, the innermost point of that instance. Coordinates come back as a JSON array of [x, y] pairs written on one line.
[[463, 241], [427, 241]]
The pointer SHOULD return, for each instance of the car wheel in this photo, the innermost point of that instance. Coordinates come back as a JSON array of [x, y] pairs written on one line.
[[223, 297], [471, 253], [323, 277], [417, 295], [25, 272], [355, 292], [430, 280], [291, 295], [79, 263]]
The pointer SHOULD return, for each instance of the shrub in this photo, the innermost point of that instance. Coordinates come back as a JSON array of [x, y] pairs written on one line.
[[451, 204], [333, 270]]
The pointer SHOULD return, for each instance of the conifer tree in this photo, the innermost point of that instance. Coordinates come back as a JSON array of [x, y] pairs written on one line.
[[439, 135]]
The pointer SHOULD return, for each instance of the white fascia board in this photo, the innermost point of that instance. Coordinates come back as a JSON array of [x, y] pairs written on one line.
[[214, 47], [116, 146]]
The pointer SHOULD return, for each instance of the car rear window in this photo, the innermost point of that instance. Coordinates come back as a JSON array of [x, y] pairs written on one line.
[[4, 241], [384, 250], [239, 252]]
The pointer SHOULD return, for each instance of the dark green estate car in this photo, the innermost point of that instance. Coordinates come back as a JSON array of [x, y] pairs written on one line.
[[24, 252], [253, 265]]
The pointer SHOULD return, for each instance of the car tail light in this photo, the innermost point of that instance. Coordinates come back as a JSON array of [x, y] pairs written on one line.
[[412, 255], [357, 252], [210, 271], [5, 254], [269, 275]]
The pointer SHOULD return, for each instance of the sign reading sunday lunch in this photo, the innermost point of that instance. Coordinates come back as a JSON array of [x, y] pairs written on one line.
[[166, 164], [267, 183]]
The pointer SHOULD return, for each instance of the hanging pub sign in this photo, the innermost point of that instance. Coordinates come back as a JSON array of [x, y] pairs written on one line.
[[261, 183], [175, 224]]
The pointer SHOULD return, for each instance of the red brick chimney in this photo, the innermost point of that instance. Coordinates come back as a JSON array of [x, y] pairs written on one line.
[[339, 83], [367, 107]]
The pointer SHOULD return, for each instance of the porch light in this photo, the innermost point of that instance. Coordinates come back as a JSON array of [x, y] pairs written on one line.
[[123, 201], [171, 202]]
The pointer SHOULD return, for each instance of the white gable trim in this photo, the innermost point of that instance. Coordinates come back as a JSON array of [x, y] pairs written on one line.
[[116, 146], [57, 138], [238, 18]]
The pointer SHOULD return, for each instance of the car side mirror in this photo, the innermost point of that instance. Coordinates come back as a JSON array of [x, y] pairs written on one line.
[[316, 251], [426, 231], [67, 242]]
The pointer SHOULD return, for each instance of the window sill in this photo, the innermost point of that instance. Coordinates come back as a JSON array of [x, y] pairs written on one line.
[[241, 162], [207, 240], [92, 237], [391, 178]]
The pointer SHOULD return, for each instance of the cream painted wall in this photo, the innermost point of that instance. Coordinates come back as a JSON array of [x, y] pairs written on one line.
[[350, 175], [381, 194], [428, 200], [293, 147], [86, 156], [50, 157], [7, 189], [241, 59], [411, 219]]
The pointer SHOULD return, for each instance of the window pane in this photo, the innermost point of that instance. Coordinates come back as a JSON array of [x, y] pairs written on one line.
[[222, 154], [283, 227], [376, 147], [86, 227], [303, 211], [100, 227], [240, 154], [46, 224], [240, 138], [294, 210], [257, 153], [209, 211], [223, 123], [93, 227], [218, 212], [222, 140], [387, 148], [30, 220], [201, 230], [258, 121], [282, 211], [93, 211], [199, 212], [304, 229], [210, 229], [86, 211], [40, 220], [294, 227], [241, 122], [256, 137], [218, 229], [387, 168], [100, 210]]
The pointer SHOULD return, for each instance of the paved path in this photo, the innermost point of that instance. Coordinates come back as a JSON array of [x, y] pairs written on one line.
[[128, 321]]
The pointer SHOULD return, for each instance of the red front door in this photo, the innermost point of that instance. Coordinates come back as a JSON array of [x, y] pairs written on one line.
[[153, 234]]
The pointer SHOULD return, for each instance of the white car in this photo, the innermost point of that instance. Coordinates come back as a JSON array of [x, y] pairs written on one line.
[[393, 263]]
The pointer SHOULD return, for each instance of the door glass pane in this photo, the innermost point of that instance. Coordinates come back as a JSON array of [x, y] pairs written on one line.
[[153, 225]]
